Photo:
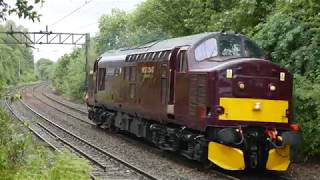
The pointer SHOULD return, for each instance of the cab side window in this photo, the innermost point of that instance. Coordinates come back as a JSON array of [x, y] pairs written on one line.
[[101, 78], [183, 62]]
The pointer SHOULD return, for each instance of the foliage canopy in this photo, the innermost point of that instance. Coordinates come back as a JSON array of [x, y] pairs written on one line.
[[22, 8], [14, 58], [43, 68]]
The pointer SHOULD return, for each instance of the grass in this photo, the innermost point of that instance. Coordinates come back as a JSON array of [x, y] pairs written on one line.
[[22, 158]]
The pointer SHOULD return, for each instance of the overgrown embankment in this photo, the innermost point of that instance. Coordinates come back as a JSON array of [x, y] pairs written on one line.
[[21, 158]]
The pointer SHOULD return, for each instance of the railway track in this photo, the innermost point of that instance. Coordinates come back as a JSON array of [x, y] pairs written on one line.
[[62, 104], [106, 165], [229, 175], [37, 90], [84, 112]]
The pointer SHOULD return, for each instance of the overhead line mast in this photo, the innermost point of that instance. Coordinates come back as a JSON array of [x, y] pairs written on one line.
[[49, 37]]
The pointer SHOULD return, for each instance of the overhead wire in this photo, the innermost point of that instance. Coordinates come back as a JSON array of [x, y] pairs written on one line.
[[72, 12], [86, 25]]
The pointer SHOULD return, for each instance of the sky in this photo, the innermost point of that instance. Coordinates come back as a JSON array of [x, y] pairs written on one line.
[[85, 20]]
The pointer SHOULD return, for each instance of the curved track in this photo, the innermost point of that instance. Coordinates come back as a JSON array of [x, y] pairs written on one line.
[[40, 94], [60, 103], [105, 164]]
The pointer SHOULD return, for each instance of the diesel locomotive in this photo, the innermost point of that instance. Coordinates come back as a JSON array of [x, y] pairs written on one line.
[[211, 97]]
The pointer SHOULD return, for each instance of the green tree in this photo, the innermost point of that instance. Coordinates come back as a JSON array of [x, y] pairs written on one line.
[[110, 28], [43, 68], [68, 74], [22, 8], [15, 59], [168, 16], [291, 37]]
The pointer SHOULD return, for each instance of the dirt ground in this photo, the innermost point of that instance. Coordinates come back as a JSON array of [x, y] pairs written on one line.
[[306, 171]]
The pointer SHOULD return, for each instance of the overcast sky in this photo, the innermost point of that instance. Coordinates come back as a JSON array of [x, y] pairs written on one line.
[[84, 20]]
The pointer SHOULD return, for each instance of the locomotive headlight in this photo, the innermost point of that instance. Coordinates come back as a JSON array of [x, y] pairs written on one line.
[[257, 106], [272, 87], [241, 85]]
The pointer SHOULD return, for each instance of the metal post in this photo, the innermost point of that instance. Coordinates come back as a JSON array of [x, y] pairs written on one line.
[[87, 44], [46, 37], [19, 69]]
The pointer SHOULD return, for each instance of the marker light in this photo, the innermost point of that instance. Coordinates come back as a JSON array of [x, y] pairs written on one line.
[[229, 73], [272, 87], [282, 76], [241, 85], [295, 127]]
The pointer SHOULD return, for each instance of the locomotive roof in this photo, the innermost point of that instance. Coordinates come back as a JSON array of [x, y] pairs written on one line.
[[120, 54]]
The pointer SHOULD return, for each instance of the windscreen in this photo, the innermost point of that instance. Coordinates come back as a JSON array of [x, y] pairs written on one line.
[[230, 46], [225, 47]]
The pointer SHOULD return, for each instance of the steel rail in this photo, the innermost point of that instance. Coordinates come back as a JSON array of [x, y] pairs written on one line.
[[229, 175], [38, 134], [63, 104], [29, 127], [72, 108], [69, 114], [127, 164]]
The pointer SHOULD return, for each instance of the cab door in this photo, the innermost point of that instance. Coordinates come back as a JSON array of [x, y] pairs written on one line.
[[181, 90], [178, 82], [172, 78], [92, 84]]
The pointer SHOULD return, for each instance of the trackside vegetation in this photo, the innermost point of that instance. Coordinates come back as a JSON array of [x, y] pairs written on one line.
[[288, 31], [21, 158], [16, 61]]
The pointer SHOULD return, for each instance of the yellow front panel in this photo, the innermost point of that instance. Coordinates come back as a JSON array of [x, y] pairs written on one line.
[[279, 159], [226, 157], [258, 110]]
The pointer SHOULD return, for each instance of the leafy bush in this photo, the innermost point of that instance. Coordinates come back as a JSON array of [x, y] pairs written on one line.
[[1, 87], [15, 97], [68, 75], [43, 68], [21, 159], [307, 111], [69, 166]]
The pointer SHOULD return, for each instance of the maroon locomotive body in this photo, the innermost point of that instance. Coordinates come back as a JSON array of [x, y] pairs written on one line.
[[209, 96]]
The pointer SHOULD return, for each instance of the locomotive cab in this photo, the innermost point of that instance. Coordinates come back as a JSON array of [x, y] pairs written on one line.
[[249, 111]]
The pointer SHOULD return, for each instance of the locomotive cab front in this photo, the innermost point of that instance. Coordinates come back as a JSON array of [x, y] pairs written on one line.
[[249, 111]]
